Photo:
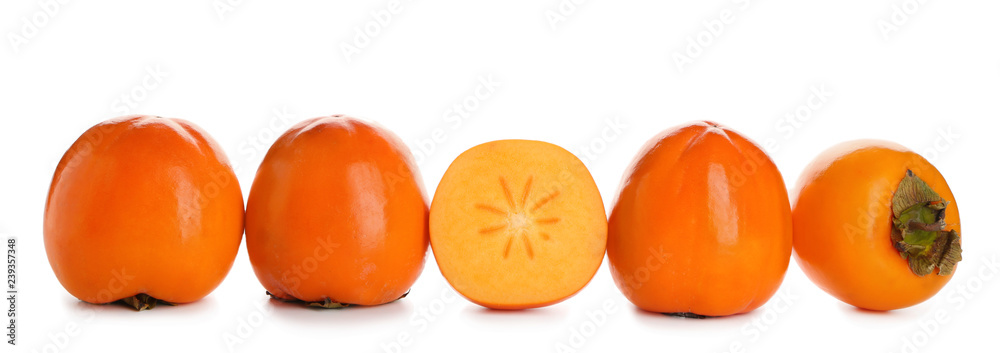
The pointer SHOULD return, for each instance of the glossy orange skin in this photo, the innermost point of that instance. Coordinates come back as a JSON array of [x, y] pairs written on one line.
[[702, 224], [143, 204], [843, 222], [337, 211]]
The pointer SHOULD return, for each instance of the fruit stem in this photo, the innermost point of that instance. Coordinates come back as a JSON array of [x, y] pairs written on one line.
[[919, 232]]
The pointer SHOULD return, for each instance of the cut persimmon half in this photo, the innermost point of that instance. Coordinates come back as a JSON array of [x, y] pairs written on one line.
[[517, 224]]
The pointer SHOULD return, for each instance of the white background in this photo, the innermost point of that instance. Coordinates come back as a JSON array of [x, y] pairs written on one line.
[[607, 77]]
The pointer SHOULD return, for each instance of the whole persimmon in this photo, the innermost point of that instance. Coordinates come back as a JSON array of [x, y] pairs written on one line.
[[337, 215], [141, 209], [876, 225], [702, 225]]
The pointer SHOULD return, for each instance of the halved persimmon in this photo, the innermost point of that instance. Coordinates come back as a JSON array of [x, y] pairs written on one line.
[[143, 208], [702, 225], [337, 215], [876, 225], [517, 224]]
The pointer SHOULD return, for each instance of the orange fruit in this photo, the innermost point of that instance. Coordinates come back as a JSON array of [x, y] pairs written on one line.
[[337, 215], [702, 225], [876, 225], [143, 208]]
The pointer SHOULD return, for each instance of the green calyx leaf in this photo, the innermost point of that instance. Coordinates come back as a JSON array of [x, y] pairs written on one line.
[[919, 232]]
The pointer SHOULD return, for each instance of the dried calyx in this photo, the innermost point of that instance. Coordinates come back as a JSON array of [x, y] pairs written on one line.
[[919, 231], [326, 303], [142, 301]]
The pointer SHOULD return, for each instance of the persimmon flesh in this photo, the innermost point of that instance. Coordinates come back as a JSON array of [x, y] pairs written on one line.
[[517, 224]]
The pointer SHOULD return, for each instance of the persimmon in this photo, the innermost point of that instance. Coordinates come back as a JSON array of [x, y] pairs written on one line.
[[702, 224], [876, 225], [517, 224], [141, 209], [337, 215]]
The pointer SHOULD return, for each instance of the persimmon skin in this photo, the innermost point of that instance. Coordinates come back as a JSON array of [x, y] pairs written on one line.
[[143, 204], [702, 224], [843, 221], [337, 211]]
